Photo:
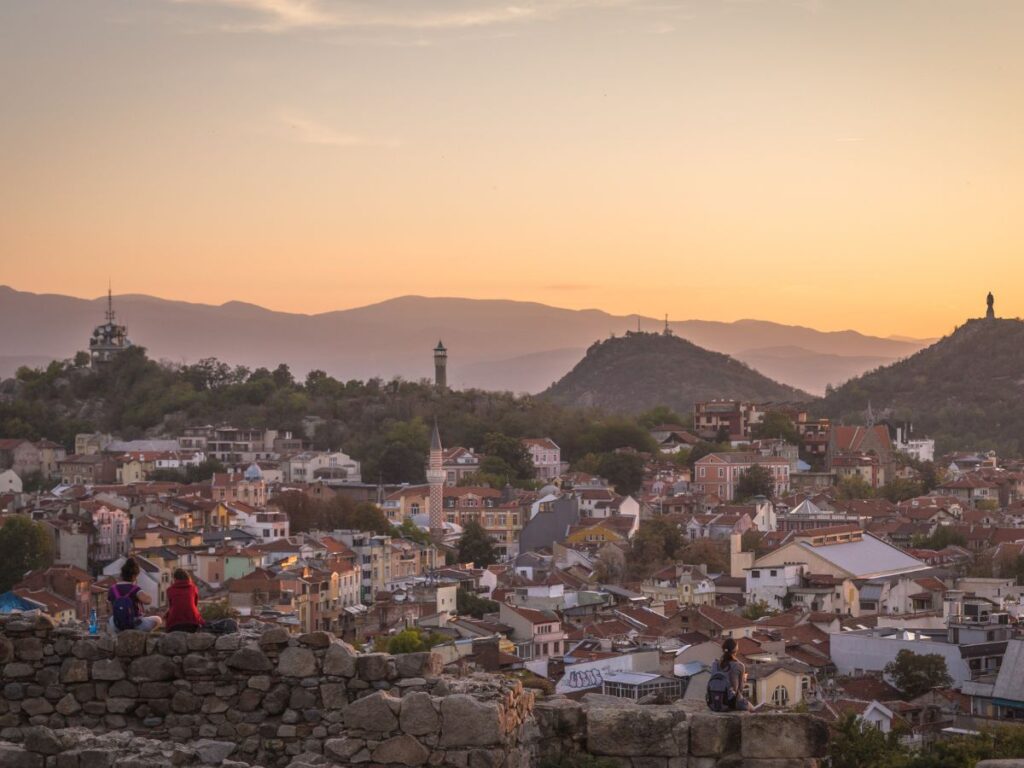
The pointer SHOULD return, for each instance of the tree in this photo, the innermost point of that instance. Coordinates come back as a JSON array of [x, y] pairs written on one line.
[[854, 487], [468, 604], [475, 546], [24, 546], [625, 471], [713, 555], [217, 610], [917, 673], [943, 536], [756, 481], [900, 489], [856, 744], [511, 452], [757, 610], [662, 414], [777, 424], [413, 641]]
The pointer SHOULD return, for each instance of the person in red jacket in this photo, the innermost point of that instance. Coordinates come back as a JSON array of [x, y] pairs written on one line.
[[183, 604]]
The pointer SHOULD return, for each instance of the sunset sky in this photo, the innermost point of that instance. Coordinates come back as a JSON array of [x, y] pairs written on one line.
[[854, 164]]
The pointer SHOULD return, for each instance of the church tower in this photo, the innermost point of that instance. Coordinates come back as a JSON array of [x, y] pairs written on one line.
[[440, 366], [436, 478]]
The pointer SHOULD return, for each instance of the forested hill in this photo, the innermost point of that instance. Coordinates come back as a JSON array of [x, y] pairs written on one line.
[[966, 390], [640, 371], [383, 424]]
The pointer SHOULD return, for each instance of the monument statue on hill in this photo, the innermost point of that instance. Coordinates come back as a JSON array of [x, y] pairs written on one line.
[[991, 313]]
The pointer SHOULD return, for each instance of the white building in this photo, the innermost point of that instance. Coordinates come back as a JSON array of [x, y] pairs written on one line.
[[770, 584], [546, 457], [10, 482]]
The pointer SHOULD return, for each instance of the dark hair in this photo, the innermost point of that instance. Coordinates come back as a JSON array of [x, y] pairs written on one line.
[[728, 652], [180, 574], [129, 570]]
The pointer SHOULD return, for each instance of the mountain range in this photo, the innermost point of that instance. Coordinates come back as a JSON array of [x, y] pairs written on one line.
[[493, 344]]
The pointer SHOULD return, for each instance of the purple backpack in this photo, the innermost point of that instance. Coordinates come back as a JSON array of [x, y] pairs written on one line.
[[123, 609]]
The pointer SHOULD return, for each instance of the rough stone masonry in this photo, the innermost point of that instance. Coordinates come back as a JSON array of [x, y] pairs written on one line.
[[275, 699]]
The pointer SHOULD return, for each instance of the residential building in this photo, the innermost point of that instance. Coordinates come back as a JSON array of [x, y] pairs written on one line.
[[91, 469], [866, 451], [458, 464], [726, 418], [537, 634], [719, 473], [246, 488], [681, 584], [546, 457]]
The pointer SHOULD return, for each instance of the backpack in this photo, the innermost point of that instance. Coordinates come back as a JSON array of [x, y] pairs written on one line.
[[720, 696], [123, 609]]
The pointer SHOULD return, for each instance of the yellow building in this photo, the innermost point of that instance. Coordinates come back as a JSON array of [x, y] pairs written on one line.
[[783, 683]]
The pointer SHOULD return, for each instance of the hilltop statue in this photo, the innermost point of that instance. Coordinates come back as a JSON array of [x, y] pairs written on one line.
[[991, 313]]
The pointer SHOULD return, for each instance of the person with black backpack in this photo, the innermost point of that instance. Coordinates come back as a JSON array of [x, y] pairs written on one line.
[[725, 686], [127, 601]]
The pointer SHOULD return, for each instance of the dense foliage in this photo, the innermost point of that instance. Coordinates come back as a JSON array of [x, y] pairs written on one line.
[[964, 391], [917, 673], [856, 744], [475, 546], [24, 546], [385, 425]]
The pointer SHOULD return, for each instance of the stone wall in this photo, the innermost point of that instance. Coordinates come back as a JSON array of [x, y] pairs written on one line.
[[276, 700]]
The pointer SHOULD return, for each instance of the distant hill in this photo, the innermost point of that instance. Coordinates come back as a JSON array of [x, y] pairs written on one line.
[[498, 345], [966, 390], [639, 371]]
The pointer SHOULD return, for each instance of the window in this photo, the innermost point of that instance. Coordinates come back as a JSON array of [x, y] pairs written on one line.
[[721, 472], [702, 473], [773, 573], [755, 574], [780, 696]]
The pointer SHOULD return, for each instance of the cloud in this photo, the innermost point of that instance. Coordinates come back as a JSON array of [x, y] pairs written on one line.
[[285, 15], [305, 130]]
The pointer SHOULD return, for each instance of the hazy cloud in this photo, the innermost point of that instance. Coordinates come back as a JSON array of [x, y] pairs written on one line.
[[284, 15], [305, 130]]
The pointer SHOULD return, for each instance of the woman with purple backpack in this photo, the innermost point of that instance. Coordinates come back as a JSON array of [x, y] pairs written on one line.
[[127, 601]]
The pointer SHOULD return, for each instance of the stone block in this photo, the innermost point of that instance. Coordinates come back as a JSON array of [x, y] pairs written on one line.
[[18, 670], [315, 639], [296, 662], [633, 731], [200, 641], [714, 734], [173, 644], [152, 668], [107, 669], [199, 665], [12, 756], [403, 750], [340, 660], [372, 713], [344, 749], [28, 648], [42, 740], [274, 637], [783, 735], [249, 660], [74, 671], [213, 752], [372, 666], [333, 695], [418, 716], [467, 722], [130, 643], [36, 706]]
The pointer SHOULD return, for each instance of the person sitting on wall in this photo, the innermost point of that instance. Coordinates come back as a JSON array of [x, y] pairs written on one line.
[[128, 601], [183, 604]]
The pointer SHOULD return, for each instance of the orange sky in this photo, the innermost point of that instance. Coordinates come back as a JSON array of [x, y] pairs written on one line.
[[833, 164]]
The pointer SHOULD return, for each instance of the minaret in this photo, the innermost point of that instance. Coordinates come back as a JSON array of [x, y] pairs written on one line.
[[990, 314], [440, 366], [435, 477]]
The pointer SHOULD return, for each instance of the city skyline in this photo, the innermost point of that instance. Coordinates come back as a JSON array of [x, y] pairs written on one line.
[[851, 165]]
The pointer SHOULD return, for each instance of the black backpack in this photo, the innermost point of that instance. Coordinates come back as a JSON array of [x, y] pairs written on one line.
[[720, 695]]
